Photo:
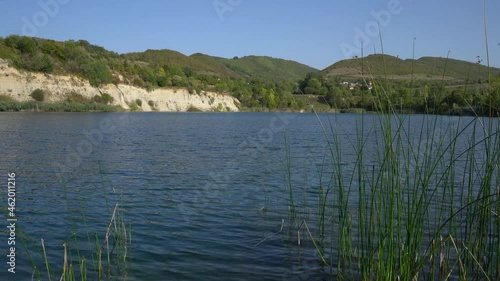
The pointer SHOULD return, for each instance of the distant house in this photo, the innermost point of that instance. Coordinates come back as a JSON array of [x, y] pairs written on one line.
[[352, 86]]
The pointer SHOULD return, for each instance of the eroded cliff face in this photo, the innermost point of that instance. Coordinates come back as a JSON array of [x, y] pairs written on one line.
[[20, 84]]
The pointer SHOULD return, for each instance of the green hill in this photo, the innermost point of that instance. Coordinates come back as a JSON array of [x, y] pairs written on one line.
[[166, 57], [254, 67], [265, 83], [425, 68], [258, 82], [266, 68]]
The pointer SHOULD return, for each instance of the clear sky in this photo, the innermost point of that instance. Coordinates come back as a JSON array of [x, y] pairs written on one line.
[[317, 33]]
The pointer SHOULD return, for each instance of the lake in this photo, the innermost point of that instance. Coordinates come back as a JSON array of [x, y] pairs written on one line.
[[204, 195]]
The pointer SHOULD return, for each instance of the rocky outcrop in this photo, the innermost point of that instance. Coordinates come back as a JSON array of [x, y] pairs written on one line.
[[20, 84]]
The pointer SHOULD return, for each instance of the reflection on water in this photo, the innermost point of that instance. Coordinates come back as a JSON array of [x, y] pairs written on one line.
[[192, 187]]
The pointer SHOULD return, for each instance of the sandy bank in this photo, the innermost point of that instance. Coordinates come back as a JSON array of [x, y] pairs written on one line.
[[19, 85]]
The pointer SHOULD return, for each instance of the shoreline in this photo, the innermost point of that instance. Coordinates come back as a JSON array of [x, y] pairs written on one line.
[[17, 85]]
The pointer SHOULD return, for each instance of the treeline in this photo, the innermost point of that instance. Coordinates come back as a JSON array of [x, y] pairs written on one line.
[[100, 66], [435, 97]]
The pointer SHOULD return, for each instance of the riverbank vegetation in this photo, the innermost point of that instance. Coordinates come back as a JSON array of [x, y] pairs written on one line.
[[262, 83], [74, 102], [96, 247], [401, 196]]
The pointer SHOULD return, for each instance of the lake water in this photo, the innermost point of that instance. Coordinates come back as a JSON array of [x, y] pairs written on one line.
[[204, 193]]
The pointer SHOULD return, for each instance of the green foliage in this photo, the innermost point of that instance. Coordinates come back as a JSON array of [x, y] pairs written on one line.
[[151, 104], [133, 106], [55, 107], [178, 81], [6, 52], [163, 81], [421, 70], [26, 45], [103, 98], [97, 72], [264, 82], [138, 102], [74, 97], [38, 95], [187, 71], [52, 48], [193, 108], [256, 67]]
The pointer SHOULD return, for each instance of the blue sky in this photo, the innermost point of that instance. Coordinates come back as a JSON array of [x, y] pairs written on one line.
[[316, 33]]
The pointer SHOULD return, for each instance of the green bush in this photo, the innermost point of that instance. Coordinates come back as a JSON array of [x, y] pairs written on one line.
[[54, 107], [163, 81], [107, 98], [104, 98], [138, 102], [193, 108], [38, 62], [74, 97], [38, 95], [97, 72], [133, 106], [138, 82]]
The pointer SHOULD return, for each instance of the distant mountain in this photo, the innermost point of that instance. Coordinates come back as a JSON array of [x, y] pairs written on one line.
[[166, 57], [262, 67], [425, 68], [259, 67], [258, 82]]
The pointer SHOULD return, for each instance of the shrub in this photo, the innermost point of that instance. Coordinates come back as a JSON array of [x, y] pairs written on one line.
[[163, 81], [38, 62], [133, 106], [138, 82], [151, 103], [138, 102], [107, 98], [38, 95], [193, 108], [104, 98], [97, 72], [76, 97]]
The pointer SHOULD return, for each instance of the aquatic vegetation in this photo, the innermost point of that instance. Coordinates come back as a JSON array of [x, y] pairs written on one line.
[[85, 254], [420, 201]]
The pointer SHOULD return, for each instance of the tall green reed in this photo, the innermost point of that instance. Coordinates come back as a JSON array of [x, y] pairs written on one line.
[[86, 255], [422, 204]]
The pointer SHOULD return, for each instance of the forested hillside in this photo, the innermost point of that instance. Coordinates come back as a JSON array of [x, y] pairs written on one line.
[[433, 85]]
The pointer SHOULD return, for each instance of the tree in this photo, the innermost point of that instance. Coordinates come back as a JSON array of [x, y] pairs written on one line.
[[97, 72], [162, 81], [271, 99], [53, 48], [38, 62], [188, 71]]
